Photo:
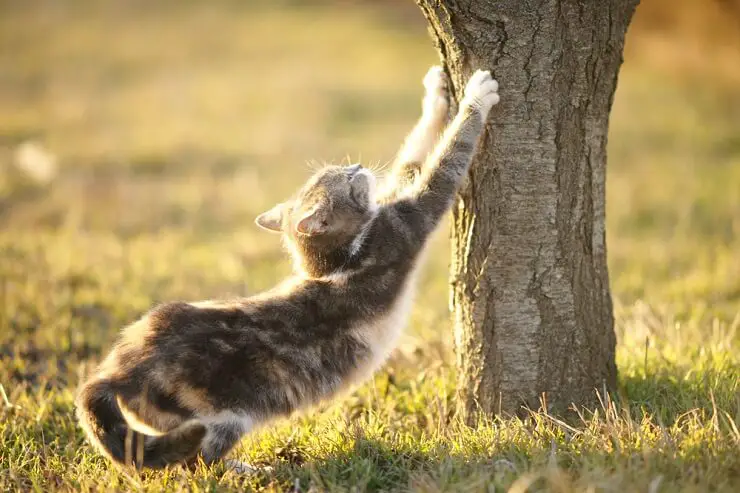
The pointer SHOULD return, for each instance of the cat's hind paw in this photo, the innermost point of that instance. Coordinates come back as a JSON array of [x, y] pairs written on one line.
[[481, 92], [240, 467]]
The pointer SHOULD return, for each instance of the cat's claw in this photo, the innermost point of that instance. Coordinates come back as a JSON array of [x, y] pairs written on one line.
[[481, 92], [436, 99]]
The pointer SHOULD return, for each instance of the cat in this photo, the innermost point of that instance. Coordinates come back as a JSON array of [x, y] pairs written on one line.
[[188, 380]]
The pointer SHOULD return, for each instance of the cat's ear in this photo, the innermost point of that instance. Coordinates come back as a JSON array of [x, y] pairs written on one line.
[[272, 220], [313, 222]]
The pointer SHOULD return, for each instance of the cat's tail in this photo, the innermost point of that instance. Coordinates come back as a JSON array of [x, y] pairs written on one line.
[[106, 427]]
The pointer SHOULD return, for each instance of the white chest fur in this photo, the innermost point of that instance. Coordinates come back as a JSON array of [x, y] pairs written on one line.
[[381, 334]]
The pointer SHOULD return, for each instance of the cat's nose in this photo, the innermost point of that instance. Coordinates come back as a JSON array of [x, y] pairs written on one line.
[[353, 169]]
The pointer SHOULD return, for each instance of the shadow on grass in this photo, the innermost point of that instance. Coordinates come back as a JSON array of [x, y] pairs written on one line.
[[374, 465], [674, 392]]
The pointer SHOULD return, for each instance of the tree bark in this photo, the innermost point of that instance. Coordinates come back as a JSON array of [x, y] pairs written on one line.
[[530, 287]]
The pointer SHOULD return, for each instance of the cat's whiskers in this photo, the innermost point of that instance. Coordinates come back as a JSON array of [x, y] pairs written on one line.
[[313, 165], [379, 170]]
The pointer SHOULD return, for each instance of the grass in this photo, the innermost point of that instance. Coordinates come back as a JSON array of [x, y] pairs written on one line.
[[173, 127]]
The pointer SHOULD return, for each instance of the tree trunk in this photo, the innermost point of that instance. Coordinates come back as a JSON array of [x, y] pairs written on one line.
[[530, 288]]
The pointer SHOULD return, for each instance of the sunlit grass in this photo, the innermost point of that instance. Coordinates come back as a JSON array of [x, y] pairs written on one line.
[[174, 127]]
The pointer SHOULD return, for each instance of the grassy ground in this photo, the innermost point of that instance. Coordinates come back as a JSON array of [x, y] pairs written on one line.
[[173, 127]]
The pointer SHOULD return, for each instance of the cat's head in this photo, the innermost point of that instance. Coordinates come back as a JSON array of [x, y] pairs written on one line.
[[331, 209]]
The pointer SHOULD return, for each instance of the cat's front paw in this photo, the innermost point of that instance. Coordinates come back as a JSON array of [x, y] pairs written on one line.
[[481, 92], [436, 99]]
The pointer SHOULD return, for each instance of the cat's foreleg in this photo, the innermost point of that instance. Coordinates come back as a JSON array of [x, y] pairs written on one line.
[[446, 168], [421, 141]]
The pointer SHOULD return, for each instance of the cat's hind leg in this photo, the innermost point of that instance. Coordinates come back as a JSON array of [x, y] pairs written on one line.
[[223, 432]]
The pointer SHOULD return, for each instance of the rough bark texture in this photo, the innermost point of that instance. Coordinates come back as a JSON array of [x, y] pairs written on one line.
[[530, 288]]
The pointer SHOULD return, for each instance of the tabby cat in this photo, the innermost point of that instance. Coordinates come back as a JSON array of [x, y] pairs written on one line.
[[188, 380]]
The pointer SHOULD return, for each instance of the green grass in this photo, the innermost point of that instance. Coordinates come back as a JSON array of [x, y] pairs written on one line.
[[174, 127]]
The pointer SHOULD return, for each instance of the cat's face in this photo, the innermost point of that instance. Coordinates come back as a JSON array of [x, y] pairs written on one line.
[[335, 203]]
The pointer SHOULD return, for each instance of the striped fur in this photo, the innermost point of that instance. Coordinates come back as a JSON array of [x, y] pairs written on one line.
[[189, 380]]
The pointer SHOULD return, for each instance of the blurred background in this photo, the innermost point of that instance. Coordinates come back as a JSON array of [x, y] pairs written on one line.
[[139, 139]]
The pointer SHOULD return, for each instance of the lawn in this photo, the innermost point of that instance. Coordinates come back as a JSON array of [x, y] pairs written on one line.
[[173, 124]]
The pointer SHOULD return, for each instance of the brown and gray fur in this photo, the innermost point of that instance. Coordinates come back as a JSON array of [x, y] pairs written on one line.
[[188, 380]]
